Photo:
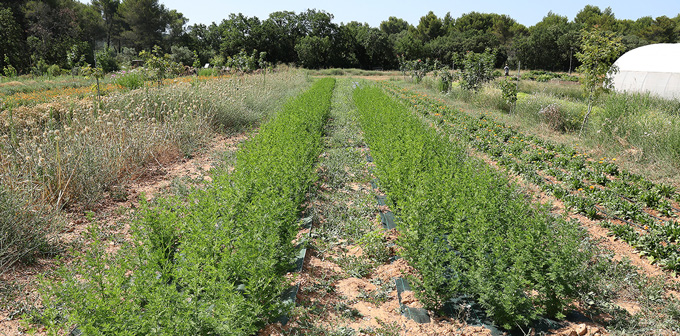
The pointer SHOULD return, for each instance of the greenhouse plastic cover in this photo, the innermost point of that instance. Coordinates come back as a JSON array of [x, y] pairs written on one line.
[[652, 68]]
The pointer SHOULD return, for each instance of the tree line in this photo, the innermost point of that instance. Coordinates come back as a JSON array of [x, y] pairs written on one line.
[[35, 34]]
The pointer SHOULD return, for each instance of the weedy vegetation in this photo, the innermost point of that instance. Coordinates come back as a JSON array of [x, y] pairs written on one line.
[[71, 152]]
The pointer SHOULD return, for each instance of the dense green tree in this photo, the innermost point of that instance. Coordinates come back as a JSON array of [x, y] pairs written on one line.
[[281, 31], [204, 40], [108, 9], [548, 44], [37, 33], [313, 51], [145, 20], [317, 23], [377, 47], [408, 44], [430, 27], [394, 25], [480, 31], [474, 21], [11, 39], [240, 32], [52, 30], [591, 16], [446, 48], [176, 32], [661, 30]]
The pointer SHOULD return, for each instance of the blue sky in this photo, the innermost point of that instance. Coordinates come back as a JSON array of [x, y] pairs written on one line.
[[373, 12]]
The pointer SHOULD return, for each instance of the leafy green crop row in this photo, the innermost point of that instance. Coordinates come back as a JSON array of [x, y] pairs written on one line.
[[464, 228], [212, 264], [594, 187]]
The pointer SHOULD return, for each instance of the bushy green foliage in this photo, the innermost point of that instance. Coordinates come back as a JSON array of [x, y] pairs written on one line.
[[8, 70], [40, 68], [477, 69], [107, 61], [183, 55], [212, 264], [53, 70], [130, 79], [444, 77], [463, 228], [417, 68], [247, 63], [158, 63], [509, 92]]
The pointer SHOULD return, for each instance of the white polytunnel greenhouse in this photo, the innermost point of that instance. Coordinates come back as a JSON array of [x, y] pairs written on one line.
[[653, 68]]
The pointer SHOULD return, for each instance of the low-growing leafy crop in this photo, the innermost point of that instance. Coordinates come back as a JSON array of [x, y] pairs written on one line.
[[463, 228], [596, 188]]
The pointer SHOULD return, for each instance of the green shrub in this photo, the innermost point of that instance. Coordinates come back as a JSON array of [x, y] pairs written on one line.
[[129, 79], [477, 70], [8, 70], [40, 68], [106, 60], [182, 55], [208, 72], [509, 93], [54, 70]]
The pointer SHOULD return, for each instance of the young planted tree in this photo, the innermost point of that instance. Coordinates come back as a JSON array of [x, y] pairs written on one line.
[[477, 69], [599, 50], [158, 62]]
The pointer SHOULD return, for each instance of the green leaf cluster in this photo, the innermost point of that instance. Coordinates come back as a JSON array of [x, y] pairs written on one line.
[[599, 50], [509, 92], [477, 69], [465, 229], [212, 263]]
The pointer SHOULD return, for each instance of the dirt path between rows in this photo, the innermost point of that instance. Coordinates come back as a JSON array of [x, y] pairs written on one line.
[[19, 284]]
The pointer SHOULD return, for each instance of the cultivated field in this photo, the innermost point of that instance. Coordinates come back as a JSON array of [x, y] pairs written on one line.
[[338, 207]]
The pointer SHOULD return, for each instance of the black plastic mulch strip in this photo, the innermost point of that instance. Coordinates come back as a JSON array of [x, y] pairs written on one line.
[[75, 332], [387, 220], [419, 315], [290, 294], [382, 200], [473, 313], [288, 297]]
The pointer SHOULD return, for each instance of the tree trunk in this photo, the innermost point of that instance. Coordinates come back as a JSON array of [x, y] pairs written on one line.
[[590, 108]]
